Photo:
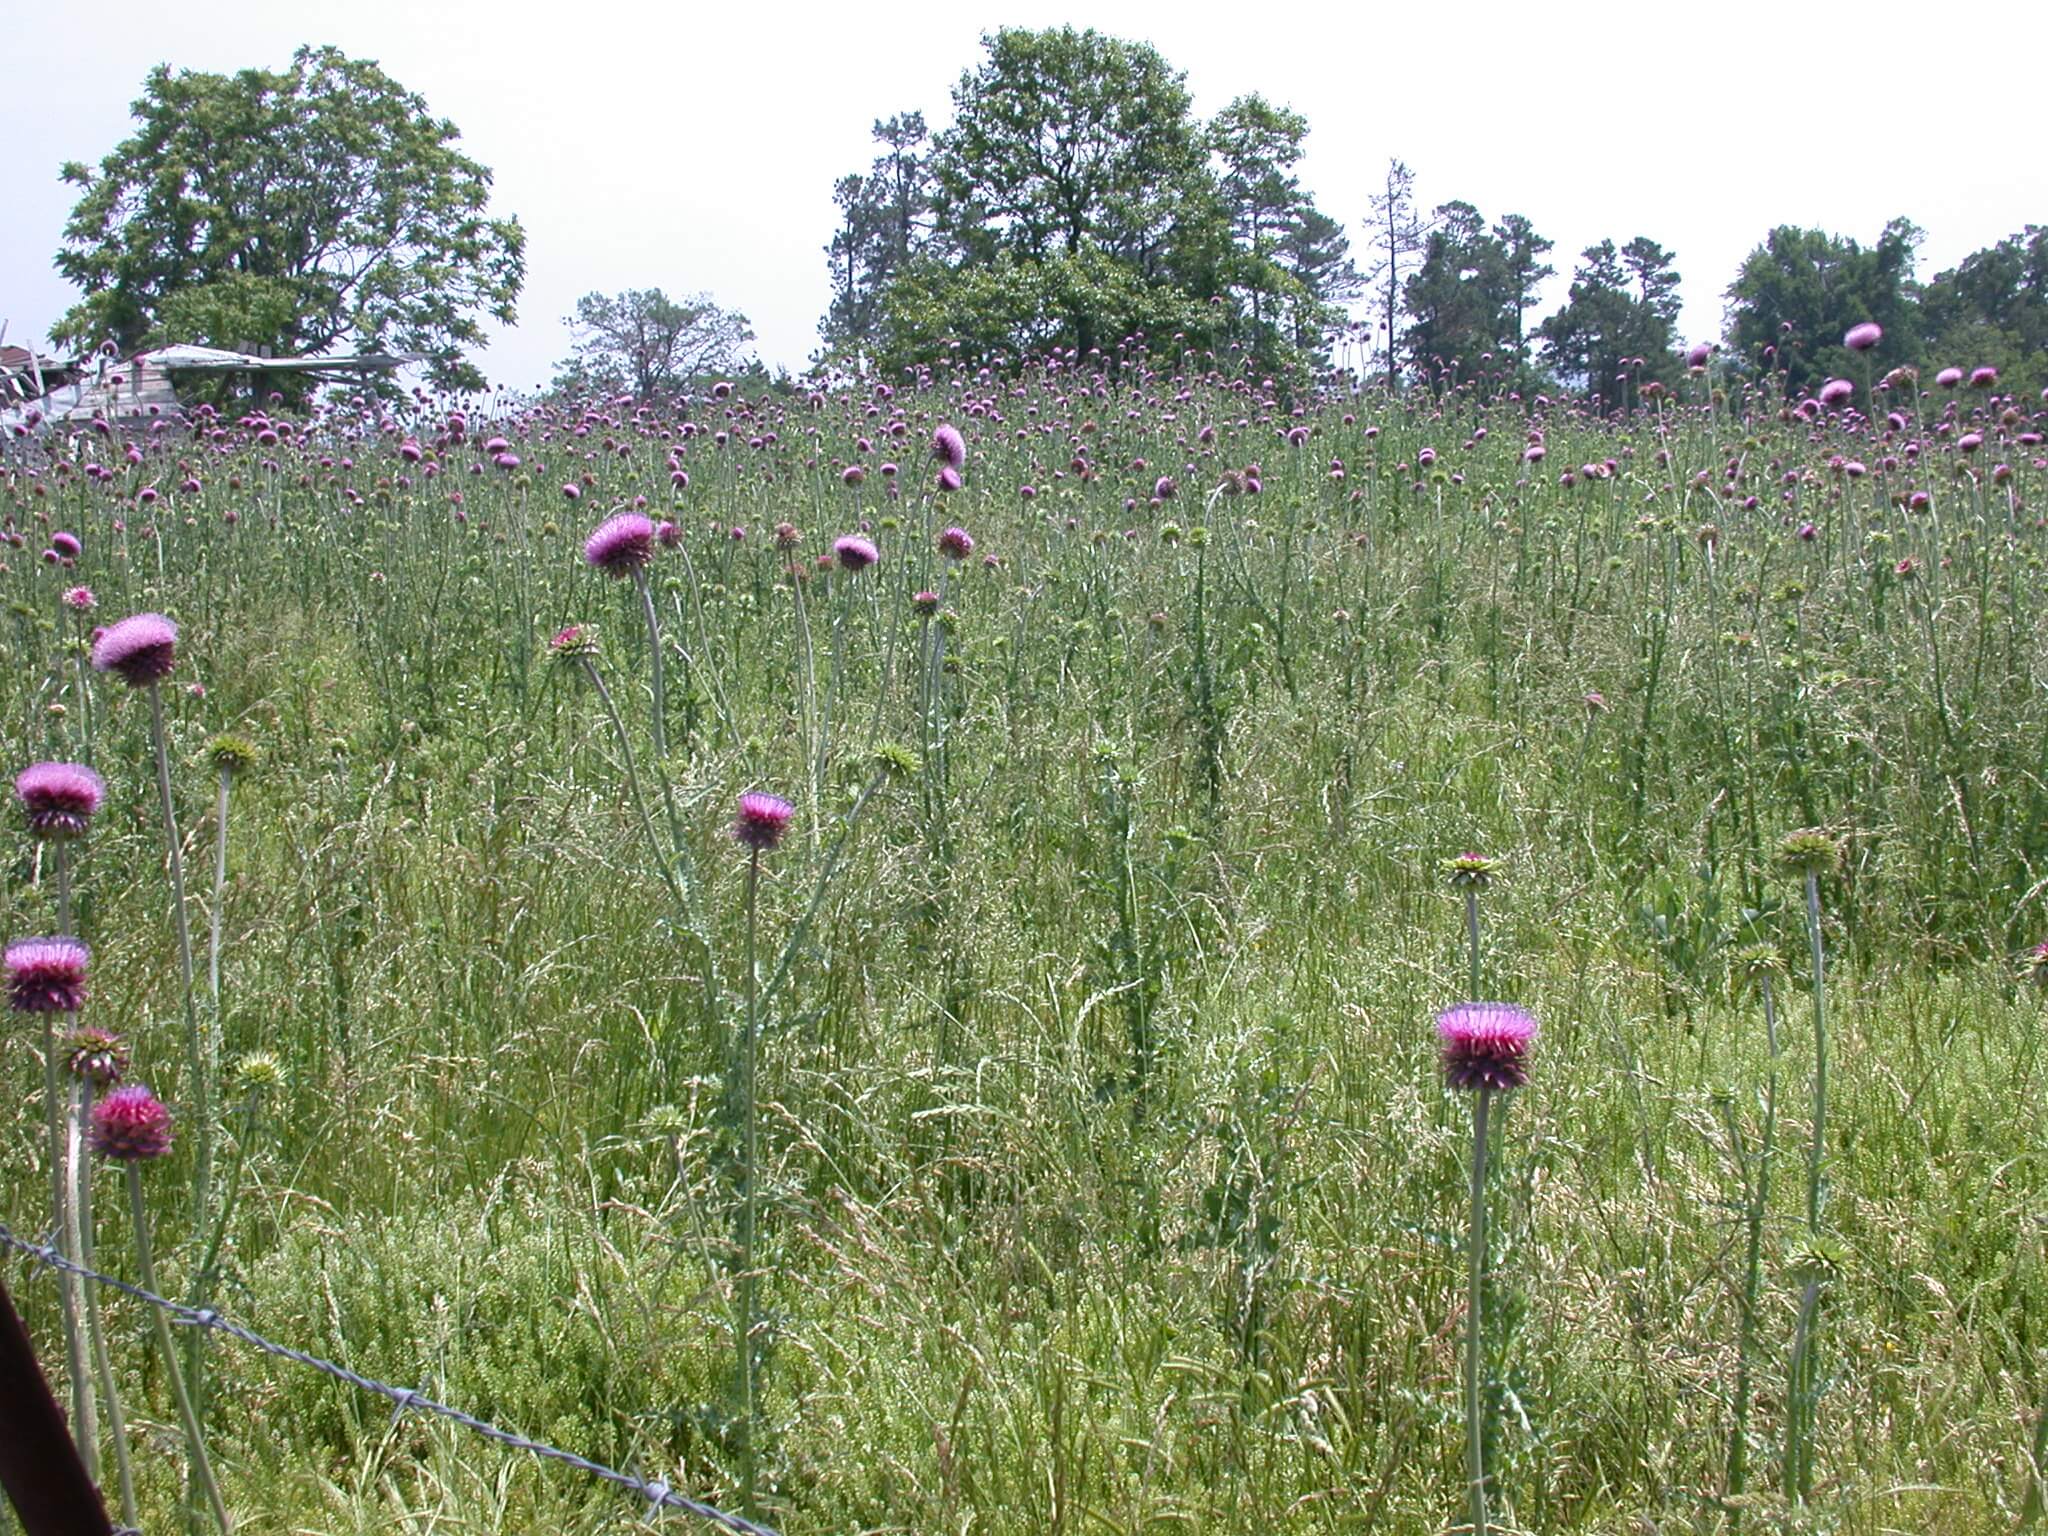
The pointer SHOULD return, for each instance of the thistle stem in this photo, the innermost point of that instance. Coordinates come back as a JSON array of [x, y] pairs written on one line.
[[749, 1199], [1472, 936], [196, 1049], [1752, 1282], [102, 1364], [1475, 1382], [1820, 1054], [202, 1469], [633, 785], [220, 885], [64, 1219]]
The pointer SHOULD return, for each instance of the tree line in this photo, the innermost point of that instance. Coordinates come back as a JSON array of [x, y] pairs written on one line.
[[1075, 201]]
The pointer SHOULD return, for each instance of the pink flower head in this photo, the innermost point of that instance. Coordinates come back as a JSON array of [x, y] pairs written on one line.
[[131, 1125], [60, 798], [1697, 356], [949, 478], [46, 975], [1836, 392], [1862, 338], [141, 648], [948, 446], [620, 545], [66, 544], [855, 554], [1983, 378], [956, 543], [1949, 378], [762, 820], [1485, 1045]]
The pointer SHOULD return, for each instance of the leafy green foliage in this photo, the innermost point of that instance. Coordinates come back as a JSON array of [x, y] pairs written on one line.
[[297, 211], [646, 344], [1615, 332], [1289, 266], [1074, 201], [885, 220], [1799, 292], [1993, 309]]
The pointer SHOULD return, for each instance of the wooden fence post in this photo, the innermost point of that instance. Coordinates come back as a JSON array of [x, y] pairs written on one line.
[[39, 1466]]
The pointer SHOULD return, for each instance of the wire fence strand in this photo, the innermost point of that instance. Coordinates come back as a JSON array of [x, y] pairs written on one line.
[[657, 1493]]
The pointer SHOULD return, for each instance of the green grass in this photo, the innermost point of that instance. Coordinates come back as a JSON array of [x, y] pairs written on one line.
[[1110, 1184]]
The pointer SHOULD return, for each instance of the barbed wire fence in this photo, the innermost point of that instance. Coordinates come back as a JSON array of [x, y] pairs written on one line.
[[659, 1496]]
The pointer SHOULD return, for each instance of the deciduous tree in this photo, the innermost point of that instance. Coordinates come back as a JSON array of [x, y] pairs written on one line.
[[643, 342], [298, 211]]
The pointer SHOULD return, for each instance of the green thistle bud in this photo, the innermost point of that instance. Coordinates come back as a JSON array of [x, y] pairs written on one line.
[[1816, 1260], [897, 761], [1470, 871], [667, 1121], [1809, 851], [573, 642], [99, 1056], [258, 1072], [232, 754], [1757, 964]]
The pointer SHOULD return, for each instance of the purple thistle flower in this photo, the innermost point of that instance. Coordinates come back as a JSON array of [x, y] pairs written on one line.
[[956, 543], [1836, 392], [949, 447], [1949, 378], [949, 478], [620, 545], [1485, 1045], [66, 544], [60, 798], [855, 554], [762, 820], [1697, 356], [46, 975], [131, 1125], [1983, 378], [1862, 338], [141, 648]]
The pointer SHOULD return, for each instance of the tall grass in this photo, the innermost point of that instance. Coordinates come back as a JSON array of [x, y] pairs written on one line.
[[1104, 1177]]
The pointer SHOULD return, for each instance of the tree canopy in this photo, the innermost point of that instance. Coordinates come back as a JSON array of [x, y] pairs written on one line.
[[1076, 198], [1799, 292], [294, 211], [1615, 331], [642, 342]]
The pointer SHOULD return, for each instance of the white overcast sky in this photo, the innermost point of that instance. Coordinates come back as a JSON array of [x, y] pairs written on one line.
[[693, 147]]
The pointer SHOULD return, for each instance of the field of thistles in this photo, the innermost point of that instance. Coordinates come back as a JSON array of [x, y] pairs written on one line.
[[879, 954]]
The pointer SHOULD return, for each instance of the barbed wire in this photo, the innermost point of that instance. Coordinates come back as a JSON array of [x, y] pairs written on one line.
[[657, 1493]]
